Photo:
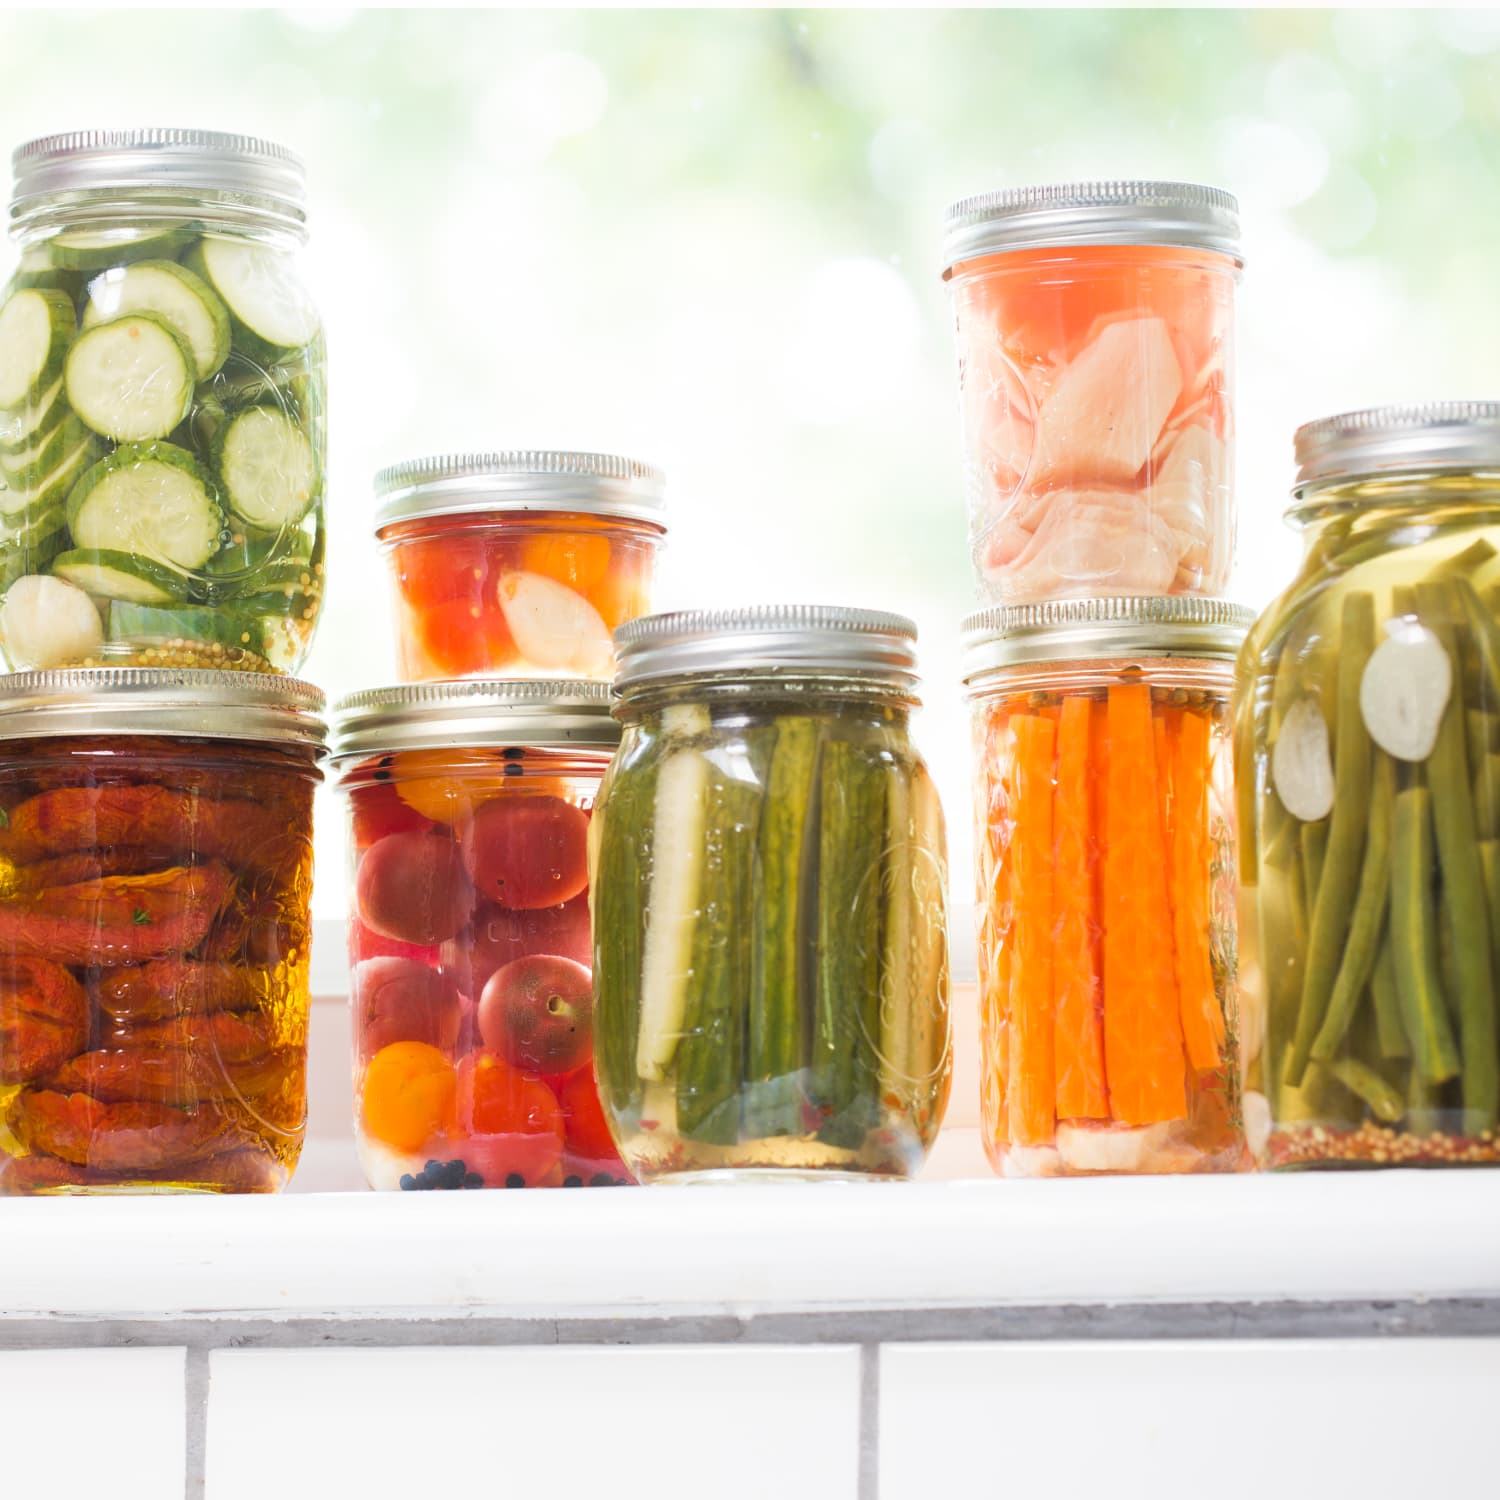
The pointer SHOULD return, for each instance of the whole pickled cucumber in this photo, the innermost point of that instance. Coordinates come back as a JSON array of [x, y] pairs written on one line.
[[846, 1015], [775, 1084]]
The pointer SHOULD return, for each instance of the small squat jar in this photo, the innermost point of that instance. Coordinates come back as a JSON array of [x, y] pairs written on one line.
[[1368, 767], [770, 939], [1095, 328], [517, 564], [162, 406], [469, 807], [155, 878], [1105, 863]]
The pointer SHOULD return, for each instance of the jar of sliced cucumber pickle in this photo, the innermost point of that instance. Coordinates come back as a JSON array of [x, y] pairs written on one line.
[[162, 395], [1368, 772]]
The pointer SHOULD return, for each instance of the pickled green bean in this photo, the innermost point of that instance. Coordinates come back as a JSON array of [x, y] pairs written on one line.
[[1481, 634], [1414, 938], [1313, 840], [1389, 1031], [1363, 934], [1461, 564], [1481, 732], [1338, 883], [1360, 1078], [1465, 902]]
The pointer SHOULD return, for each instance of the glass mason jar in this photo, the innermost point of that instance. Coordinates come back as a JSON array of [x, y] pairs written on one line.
[[1368, 758], [162, 438], [473, 1004], [155, 879], [770, 935], [1104, 849], [518, 564], [1095, 327]]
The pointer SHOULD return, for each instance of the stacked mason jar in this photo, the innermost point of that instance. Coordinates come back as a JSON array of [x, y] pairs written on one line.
[[1095, 342], [471, 786], [162, 483]]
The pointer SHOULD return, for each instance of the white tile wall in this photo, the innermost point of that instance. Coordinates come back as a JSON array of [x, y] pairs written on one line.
[[93, 1422], [1383, 1420], [629, 1424]]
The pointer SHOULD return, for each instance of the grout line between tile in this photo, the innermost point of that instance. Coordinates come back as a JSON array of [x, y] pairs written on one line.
[[869, 1422], [195, 1390]]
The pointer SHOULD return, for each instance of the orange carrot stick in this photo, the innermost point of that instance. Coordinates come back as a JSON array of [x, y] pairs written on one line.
[[1142, 1030], [995, 789], [1079, 1057], [1032, 1086], [1202, 1020]]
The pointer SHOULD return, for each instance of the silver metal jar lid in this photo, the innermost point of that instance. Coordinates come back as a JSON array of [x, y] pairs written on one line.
[[456, 484], [1398, 439], [477, 714], [1014, 635], [126, 160], [768, 640], [262, 707], [1092, 213]]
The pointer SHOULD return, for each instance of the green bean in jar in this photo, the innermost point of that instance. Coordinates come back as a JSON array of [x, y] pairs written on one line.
[[162, 396], [770, 939], [1368, 772]]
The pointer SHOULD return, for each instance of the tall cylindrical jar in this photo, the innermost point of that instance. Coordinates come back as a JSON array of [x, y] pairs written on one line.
[[1368, 768], [771, 960], [162, 396], [155, 882], [1095, 326], [1104, 844], [473, 1008]]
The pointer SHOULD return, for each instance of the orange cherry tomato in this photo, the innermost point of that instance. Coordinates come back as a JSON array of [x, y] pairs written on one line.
[[513, 1122], [409, 1094], [579, 560]]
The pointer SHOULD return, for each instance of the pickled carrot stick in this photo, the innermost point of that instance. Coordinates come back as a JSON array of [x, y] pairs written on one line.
[[1031, 1088], [1142, 1031], [1161, 729], [1202, 1020], [1079, 1042]]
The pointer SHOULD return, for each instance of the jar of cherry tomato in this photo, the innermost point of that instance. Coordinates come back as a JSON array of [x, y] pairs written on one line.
[[1095, 327], [1104, 850], [155, 876], [518, 564], [469, 936]]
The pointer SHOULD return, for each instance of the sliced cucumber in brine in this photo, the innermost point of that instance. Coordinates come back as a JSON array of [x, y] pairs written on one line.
[[36, 329], [132, 379], [21, 429], [190, 625], [267, 468], [151, 499], [172, 293], [83, 250], [48, 489], [27, 465], [267, 303], [119, 575]]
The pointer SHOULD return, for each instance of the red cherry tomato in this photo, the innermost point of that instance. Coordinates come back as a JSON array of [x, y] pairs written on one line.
[[509, 1123], [525, 852], [379, 809], [436, 570], [538, 1013], [584, 1122], [396, 1000], [462, 638], [412, 887]]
